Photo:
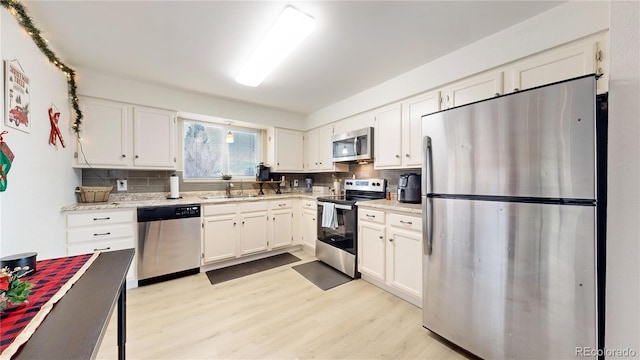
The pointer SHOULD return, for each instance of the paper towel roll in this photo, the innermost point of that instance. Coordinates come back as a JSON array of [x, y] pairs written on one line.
[[174, 184]]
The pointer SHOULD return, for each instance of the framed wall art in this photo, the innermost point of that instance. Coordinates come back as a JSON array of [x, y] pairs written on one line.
[[17, 97]]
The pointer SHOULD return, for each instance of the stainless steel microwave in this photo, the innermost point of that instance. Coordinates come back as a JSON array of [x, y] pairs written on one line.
[[354, 145]]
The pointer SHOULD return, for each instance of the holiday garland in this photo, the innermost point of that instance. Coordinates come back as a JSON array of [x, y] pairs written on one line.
[[20, 13]]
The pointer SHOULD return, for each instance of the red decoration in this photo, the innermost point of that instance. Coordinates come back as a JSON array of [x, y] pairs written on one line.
[[55, 131]]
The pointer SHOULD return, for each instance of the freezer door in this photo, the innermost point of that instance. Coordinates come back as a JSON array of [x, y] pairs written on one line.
[[537, 143], [512, 280]]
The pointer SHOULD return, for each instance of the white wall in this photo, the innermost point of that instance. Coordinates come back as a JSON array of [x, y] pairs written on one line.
[[41, 179], [94, 84], [560, 25], [623, 217]]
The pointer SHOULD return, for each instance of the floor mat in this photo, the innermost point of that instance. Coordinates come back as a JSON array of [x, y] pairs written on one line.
[[322, 275], [236, 271]]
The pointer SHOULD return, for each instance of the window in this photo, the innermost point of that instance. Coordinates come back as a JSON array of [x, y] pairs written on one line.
[[206, 155]]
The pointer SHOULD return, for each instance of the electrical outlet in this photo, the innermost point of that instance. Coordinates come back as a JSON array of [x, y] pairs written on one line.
[[122, 185], [295, 182]]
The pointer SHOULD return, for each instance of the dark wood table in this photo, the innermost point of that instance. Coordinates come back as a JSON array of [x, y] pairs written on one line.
[[76, 325]]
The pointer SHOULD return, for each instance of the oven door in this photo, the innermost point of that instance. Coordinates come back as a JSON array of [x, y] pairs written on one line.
[[344, 235]]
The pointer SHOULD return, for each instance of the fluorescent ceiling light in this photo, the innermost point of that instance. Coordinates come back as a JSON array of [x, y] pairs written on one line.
[[288, 32]]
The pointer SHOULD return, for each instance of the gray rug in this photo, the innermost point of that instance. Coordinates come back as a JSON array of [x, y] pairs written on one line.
[[236, 271], [322, 275]]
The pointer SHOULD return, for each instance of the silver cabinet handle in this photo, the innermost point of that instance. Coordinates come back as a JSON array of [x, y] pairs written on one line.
[[124, 156], [101, 234], [390, 240], [102, 218], [281, 205], [406, 222], [371, 216], [397, 156], [107, 248], [407, 155]]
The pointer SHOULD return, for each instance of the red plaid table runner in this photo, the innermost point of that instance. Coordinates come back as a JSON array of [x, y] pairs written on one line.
[[51, 276]]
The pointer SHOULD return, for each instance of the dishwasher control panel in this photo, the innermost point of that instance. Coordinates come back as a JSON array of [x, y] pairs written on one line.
[[188, 211], [155, 213]]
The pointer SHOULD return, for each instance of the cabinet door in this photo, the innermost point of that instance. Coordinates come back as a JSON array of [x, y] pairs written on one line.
[[309, 229], [281, 222], [254, 236], [405, 261], [325, 147], [412, 111], [154, 133], [288, 150], [311, 150], [554, 65], [105, 134], [372, 250], [480, 87], [388, 137], [220, 237]]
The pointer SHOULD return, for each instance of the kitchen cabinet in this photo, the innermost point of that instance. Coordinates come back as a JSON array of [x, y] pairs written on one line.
[[281, 223], [555, 65], [102, 230], [412, 112], [220, 232], [479, 87], [390, 252], [372, 243], [285, 150], [388, 137], [318, 151], [119, 135], [309, 225], [253, 227]]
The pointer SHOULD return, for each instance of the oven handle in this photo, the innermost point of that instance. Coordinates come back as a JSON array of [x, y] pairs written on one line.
[[338, 206]]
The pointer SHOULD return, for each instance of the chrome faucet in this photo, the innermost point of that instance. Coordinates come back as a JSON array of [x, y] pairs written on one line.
[[228, 189]]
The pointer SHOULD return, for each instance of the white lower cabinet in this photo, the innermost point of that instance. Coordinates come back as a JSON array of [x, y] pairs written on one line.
[[309, 225], [236, 230], [390, 252], [101, 230]]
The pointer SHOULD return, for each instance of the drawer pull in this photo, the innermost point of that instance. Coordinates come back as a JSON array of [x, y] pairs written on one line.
[[102, 218], [281, 205], [101, 234], [371, 216], [107, 248], [406, 222]]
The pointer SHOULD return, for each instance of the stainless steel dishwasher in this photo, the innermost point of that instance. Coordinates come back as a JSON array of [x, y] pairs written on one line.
[[168, 242]]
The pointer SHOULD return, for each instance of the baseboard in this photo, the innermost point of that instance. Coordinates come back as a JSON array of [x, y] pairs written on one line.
[[408, 298]]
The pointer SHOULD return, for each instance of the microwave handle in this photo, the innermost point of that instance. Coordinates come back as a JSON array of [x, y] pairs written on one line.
[[355, 145]]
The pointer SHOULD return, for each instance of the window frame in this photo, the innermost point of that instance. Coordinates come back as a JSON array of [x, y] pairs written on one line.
[[225, 126]]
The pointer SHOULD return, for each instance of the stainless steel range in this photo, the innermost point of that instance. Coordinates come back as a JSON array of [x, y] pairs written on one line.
[[337, 224]]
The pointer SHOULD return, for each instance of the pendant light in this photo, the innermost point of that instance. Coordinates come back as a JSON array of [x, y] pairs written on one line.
[[229, 138]]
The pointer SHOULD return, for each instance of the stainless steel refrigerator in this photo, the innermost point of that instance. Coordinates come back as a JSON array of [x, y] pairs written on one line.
[[512, 223]]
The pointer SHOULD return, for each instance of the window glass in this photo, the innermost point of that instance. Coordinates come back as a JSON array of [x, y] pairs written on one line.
[[206, 154]]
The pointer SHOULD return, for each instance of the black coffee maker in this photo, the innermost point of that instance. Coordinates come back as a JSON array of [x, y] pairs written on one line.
[[263, 172]]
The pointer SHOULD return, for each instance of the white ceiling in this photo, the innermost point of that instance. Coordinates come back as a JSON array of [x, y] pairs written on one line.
[[200, 45]]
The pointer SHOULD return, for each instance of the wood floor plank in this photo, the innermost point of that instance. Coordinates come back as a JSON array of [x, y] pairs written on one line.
[[275, 314]]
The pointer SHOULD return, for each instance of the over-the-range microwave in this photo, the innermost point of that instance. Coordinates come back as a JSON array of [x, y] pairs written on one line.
[[354, 145]]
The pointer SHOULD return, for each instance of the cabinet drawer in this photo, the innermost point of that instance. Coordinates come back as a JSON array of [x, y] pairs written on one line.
[[99, 233], [100, 218], [87, 248], [280, 204], [406, 222], [309, 204], [254, 206], [219, 209], [371, 215]]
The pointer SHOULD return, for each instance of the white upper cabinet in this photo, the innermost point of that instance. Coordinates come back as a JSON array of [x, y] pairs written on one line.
[[285, 150], [475, 88], [325, 161], [154, 134], [104, 134], [554, 65], [412, 112], [119, 135], [311, 150], [388, 137], [318, 151]]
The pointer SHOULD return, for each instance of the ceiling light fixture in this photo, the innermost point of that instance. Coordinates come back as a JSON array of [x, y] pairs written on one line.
[[288, 32], [229, 138]]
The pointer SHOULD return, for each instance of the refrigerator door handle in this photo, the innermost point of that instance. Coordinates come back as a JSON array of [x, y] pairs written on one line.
[[427, 203]]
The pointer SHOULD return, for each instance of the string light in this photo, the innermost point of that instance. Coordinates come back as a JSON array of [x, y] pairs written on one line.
[[20, 13]]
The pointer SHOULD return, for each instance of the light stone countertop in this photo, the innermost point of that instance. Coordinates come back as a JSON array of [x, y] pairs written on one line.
[[393, 205], [136, 200]]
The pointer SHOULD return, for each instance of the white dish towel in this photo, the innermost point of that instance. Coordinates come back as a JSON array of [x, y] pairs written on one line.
[[329, 219]]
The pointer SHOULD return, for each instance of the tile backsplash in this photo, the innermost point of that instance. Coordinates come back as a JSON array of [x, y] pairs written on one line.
[[146, 181]]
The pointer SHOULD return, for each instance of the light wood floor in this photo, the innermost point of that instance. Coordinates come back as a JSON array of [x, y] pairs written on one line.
[[275, 314]]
